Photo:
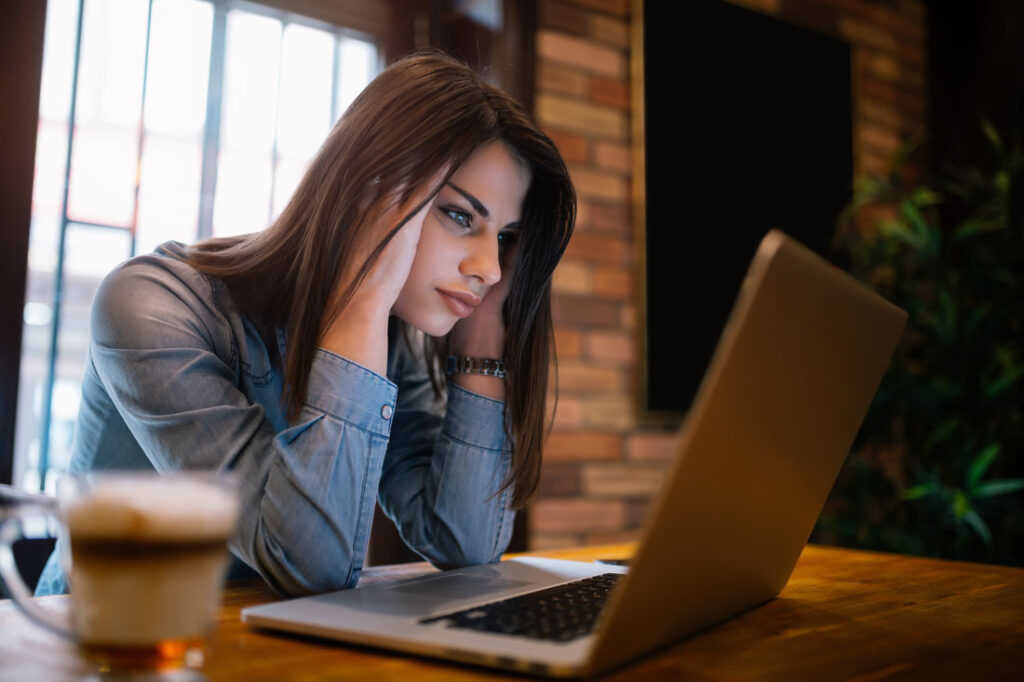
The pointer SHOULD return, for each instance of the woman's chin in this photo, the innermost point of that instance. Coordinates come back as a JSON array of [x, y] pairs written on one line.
[[432, 326]]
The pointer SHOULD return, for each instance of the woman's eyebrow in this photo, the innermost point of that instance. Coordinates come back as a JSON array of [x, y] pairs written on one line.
[[477, 206]]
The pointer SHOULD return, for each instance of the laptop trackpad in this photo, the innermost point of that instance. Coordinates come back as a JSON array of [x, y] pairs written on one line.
[[421, 596], [459, 586]]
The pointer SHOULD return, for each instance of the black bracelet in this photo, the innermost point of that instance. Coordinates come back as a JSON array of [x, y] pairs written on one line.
[[488, 367]]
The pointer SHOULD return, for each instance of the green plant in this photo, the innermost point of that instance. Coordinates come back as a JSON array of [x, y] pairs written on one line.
[[938, 468]]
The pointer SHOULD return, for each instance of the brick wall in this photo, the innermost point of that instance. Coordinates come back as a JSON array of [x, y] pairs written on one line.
[[601, 467]]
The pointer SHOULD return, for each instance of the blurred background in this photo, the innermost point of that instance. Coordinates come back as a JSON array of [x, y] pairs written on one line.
[[883, 133]]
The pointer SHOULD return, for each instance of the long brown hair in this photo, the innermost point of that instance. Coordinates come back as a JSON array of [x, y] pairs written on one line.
[[424, 115]]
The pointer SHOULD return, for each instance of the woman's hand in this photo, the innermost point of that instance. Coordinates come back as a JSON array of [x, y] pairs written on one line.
[[358, 331], [482, 334]]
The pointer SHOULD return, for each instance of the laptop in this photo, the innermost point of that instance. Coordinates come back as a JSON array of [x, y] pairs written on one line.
[[796, 367]]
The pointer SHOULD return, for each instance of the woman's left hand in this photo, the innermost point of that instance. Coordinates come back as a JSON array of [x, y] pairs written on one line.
[[482, 334]]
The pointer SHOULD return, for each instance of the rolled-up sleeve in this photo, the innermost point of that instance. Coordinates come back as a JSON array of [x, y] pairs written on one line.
[[443, 476], [308, 488]]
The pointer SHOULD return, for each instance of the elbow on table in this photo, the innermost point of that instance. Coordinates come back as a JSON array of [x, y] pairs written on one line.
[[324, 569]]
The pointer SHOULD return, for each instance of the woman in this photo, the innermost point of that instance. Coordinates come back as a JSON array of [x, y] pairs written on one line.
[[308, 358]]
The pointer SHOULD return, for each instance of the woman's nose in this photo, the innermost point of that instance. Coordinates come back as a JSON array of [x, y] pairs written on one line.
[[483, 261]]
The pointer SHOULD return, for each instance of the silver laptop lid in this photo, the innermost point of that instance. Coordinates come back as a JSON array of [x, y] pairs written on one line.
[[789, 384]]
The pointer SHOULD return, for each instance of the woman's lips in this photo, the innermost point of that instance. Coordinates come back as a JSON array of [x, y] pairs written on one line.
[[462, 303]]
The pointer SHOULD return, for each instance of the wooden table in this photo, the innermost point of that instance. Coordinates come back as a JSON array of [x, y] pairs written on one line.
[[845, 615]]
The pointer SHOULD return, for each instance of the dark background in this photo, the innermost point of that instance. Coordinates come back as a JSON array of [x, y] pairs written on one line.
[[748, 122], [751, 118]]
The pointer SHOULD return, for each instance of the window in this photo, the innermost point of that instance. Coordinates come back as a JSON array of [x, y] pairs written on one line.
[[159, 120]]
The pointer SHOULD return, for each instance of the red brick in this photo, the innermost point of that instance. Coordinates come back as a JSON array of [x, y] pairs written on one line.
[[568, 343], [572, 147], [616, 537], [559, 480], [904, 22], [612, 217], [614, 283], [577, 310], [548, 541], [562, 80], [577, 515], [571, 277], [616, 412], [619, 8], [562, 112], [622, 480], [652, 446], [576, 376], [627, 317], [568, 412], [765, 6], [613, 92], [636, 512], [568, 446], [586, 54], [878, 138], [563, 16], [614, 346], [862, 33], [584, 209], [599, 184], [609, 30], [599, 249], [613, 156], [912, 104]]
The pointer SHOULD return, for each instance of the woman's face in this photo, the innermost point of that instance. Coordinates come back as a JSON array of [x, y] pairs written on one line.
[[472, 221]]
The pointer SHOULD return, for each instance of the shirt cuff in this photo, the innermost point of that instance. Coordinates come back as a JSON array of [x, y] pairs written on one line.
[[351, 393], [475, 420]]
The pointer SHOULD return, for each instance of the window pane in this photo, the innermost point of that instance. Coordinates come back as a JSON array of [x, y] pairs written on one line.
[[102, 180], [243, 193], [357, 65], [104, 155], [179, 67], [250, 81], [169, 191], [175, 117], [90, 254], [304, 106], [58, 59], [286, 179], [277, 92]]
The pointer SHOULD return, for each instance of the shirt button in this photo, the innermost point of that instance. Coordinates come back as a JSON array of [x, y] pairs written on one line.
[[386, 411]]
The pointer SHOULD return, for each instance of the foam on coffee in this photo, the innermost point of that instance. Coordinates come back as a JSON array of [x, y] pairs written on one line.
[[147, 555], [153, 508]]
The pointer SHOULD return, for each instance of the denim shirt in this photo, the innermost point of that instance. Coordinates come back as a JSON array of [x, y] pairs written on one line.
[[179, 379]]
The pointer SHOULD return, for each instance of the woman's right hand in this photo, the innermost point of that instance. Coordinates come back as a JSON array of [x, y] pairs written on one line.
[[359, 331]]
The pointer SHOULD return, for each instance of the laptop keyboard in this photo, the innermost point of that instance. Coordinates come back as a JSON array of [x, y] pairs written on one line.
[[561, 613]]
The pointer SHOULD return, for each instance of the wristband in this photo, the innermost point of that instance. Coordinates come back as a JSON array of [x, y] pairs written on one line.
[[488, 367]]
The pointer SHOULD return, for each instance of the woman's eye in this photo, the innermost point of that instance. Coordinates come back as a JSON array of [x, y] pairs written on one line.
[[460, 218]]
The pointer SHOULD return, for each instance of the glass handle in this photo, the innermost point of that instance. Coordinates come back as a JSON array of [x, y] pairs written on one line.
[[10, 532]]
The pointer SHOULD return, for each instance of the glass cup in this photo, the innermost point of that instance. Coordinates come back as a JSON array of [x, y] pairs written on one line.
[[144, 554]]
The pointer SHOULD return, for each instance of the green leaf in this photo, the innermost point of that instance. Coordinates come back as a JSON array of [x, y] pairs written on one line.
[[925, 197], [1005, 380], [898, 230], [980, 464], [975, 521], [942, 431], [992, 135], [1000, 487], [976, 226], [923, 232], [961, 505], [919, 491]]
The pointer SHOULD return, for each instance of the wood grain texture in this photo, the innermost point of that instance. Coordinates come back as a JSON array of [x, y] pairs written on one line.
[[845, 615]]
